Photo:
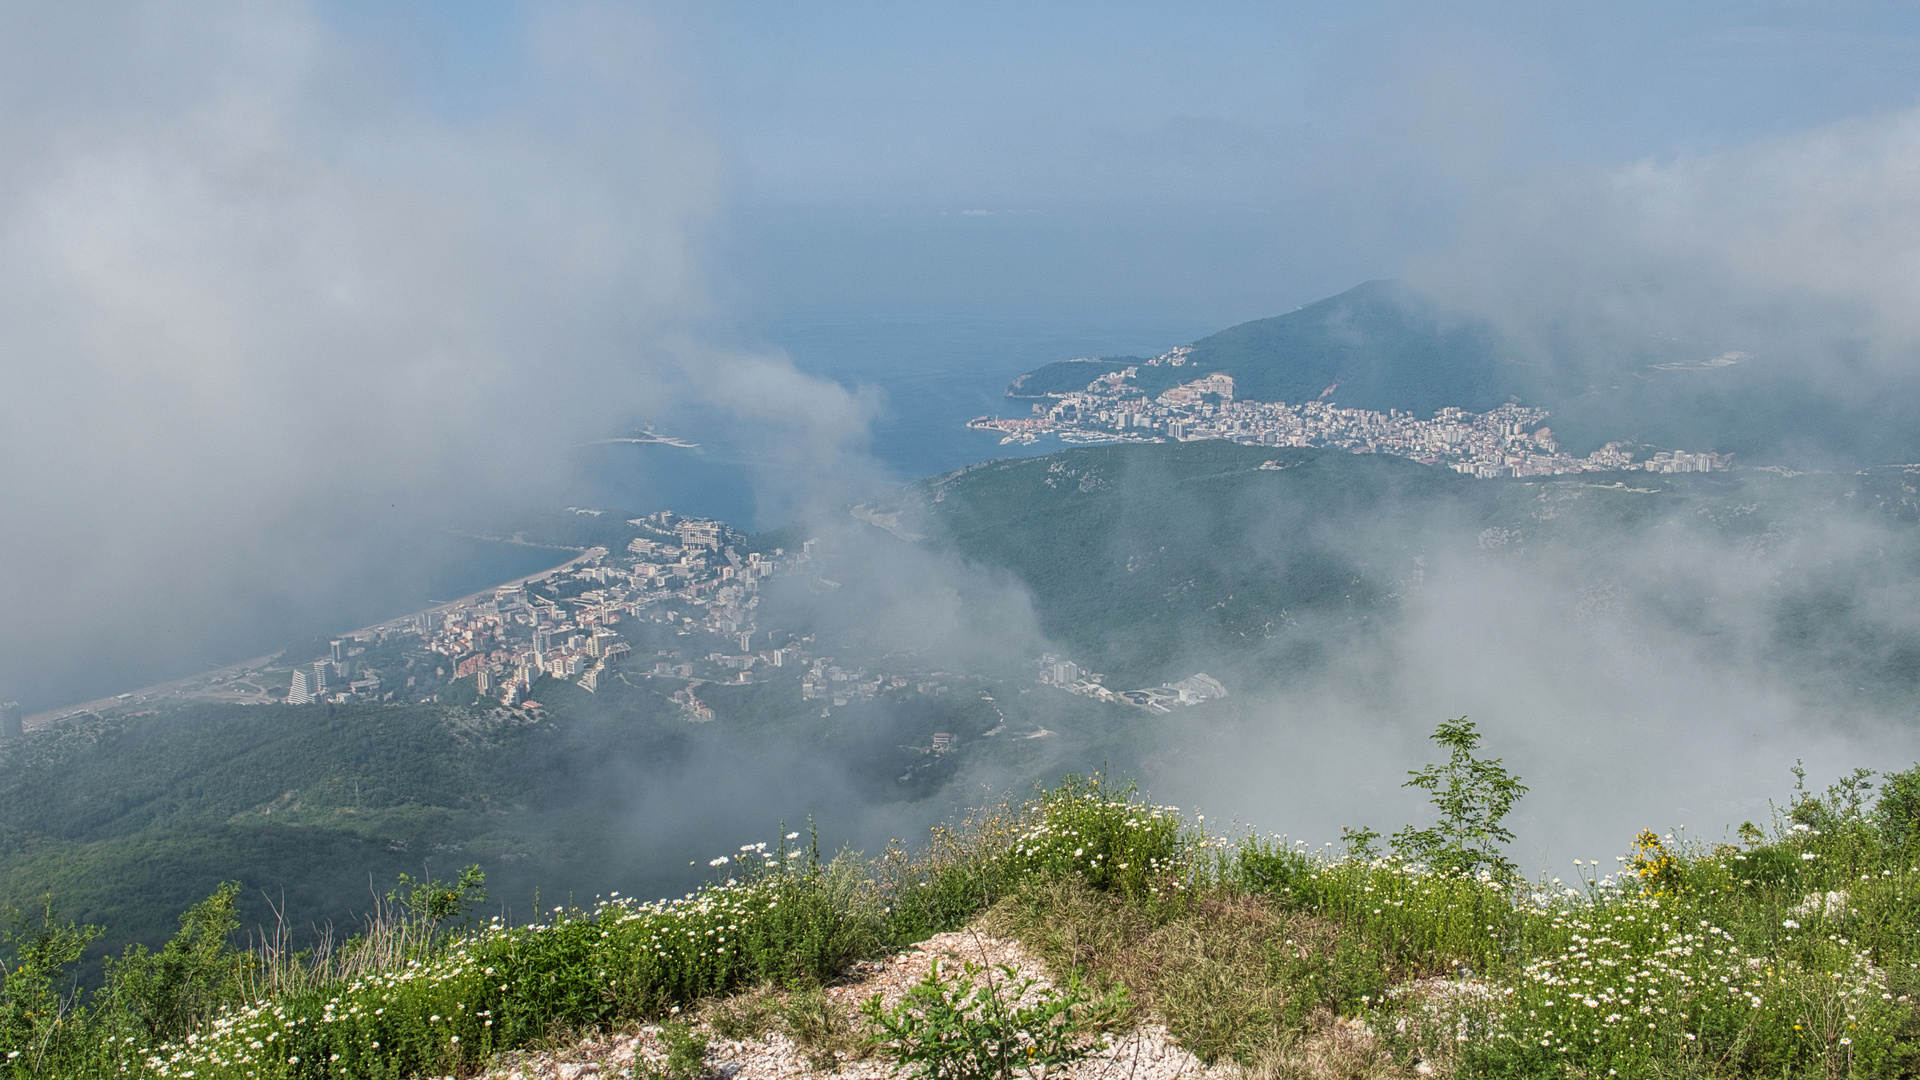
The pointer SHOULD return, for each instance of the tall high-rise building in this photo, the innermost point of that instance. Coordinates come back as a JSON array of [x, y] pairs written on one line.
[[482, 681], [339, 649], [10, 720], [320, 676], [299, 693]]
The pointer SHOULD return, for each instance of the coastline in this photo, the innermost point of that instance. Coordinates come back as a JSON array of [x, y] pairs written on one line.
[[229, 672]]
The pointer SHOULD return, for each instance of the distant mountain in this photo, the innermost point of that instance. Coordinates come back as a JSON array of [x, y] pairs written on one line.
[[1384, 345], [1378, 345]]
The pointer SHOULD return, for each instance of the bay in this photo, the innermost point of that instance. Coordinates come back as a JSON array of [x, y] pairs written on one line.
[[932, 376]]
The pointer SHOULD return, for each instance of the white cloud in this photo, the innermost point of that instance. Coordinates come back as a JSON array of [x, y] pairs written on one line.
[[1807, 244], [252, 296]]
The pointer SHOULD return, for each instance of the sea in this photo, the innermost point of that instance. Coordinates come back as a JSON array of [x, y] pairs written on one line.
[[931, 375]]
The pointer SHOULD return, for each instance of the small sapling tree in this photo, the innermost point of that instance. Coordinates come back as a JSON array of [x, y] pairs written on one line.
[[1472, 796], [431, 903]]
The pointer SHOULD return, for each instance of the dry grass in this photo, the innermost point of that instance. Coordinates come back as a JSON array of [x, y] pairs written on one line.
[[748, 1014], [827, 1032], [1330, 1049], [387, 939], [1233, 977]]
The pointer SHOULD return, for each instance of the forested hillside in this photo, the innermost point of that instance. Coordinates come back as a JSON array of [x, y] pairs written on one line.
[[1150, 561]]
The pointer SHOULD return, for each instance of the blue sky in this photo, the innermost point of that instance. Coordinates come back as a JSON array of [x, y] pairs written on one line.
[[1210, 160]]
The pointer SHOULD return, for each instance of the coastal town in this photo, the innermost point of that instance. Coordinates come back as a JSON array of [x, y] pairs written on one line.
[[680, 577], [1511, 440], [676, 606]]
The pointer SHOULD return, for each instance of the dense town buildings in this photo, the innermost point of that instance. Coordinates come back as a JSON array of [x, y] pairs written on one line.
[[685, 573], [1511, 440]]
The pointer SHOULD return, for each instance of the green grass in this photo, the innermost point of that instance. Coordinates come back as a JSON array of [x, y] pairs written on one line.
[[1794, 953]]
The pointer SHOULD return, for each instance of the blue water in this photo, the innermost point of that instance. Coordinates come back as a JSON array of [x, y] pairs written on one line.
[[933, 375]]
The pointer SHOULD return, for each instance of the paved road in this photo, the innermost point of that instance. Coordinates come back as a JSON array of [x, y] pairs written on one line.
[[145, 693]]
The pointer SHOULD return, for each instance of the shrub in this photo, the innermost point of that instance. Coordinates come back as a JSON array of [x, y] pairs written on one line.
[[1644, 979], [501, 987], [999, 1027], [1473, 797], [34, 1007], [961, 871], [686, 1057], [198, 972], [1105, 837], [1898, 809]]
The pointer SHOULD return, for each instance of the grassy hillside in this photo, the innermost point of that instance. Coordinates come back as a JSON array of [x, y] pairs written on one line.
[[127, 820], [1787, 954]]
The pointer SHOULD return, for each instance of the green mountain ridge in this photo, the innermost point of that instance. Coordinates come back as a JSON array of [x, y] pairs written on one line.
[[1151, 560]]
